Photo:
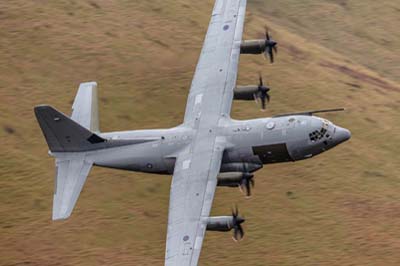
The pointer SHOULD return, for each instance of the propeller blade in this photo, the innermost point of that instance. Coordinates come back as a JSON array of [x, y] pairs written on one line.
[[270, 46], [248, 189], [245, 185], [262, 93], [241, 189], [238, 232], [271, 55], [255, 96], [235, 213], [268, 97], [275, 48], [267, 33], [235, 234], [241, 232], [263, 103]]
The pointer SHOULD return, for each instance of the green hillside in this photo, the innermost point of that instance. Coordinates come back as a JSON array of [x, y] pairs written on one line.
[[344, 206]]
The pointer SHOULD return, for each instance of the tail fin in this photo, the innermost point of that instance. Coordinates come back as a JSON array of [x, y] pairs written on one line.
[[69, 139], [85, 107], [63, 134]]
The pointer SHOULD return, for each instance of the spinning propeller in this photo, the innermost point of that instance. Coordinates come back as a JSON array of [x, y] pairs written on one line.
[[270, 46], [238, 232], [247, 183], [262, 93]]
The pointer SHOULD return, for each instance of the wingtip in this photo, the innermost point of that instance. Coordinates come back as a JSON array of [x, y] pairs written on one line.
[[60, 215], [88, 84]]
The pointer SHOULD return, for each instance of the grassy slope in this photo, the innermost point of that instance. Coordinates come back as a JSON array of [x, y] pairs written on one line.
[[345, 206]]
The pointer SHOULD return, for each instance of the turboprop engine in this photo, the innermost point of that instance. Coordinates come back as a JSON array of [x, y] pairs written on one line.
[[265, 46], [243, 180], [253, 92], [227, 223]]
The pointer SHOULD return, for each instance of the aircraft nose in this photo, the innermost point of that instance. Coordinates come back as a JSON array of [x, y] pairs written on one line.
[[342, 134]]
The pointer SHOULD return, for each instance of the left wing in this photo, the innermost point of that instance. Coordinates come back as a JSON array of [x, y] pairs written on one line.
[[192, 192]]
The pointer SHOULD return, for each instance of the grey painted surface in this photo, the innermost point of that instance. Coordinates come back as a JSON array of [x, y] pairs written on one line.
[[85, 107], [206, 143]]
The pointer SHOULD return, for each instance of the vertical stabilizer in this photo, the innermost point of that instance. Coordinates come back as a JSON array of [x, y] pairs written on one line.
[[85, 107]]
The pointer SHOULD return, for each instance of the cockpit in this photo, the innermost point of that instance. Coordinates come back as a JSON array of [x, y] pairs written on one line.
[[320, 133]]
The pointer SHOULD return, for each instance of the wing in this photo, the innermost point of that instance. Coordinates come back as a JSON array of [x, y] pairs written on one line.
[[192, 192], [211, 91], [210, 99]]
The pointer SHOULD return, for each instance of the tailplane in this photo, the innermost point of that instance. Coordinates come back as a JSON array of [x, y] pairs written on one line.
[[70, 141], [64, 134], [71, 173]]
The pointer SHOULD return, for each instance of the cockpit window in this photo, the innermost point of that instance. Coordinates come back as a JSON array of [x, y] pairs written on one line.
[[319, 134]]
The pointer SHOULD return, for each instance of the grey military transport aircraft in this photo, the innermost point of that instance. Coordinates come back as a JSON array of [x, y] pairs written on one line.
[[207, 150]]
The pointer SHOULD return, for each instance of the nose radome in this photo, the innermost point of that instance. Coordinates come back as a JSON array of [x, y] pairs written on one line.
[[342, 134]]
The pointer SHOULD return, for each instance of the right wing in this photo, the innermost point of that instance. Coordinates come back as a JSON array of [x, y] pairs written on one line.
[[211, 92]]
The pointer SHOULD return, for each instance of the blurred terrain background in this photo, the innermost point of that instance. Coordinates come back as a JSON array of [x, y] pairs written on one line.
[[341, 208]]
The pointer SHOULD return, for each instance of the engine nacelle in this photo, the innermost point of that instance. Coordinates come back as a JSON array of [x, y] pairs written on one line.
[[247, 93], [253, 47], [227, 223], [232, 179], [220, 223], [240, 167]]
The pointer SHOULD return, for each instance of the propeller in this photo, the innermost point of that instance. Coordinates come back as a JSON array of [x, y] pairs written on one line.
[[238, 232], [262, 93], [270, 46], [247, 183]]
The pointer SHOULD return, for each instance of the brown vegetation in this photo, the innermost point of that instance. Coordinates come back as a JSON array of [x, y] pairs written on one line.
[[341, 208]]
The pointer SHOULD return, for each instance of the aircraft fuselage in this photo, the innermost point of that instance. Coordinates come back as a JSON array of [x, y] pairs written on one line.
[[251, 142]]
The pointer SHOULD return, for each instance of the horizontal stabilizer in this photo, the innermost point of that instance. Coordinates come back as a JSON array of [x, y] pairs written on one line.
[[62, 133], [70, 177]]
